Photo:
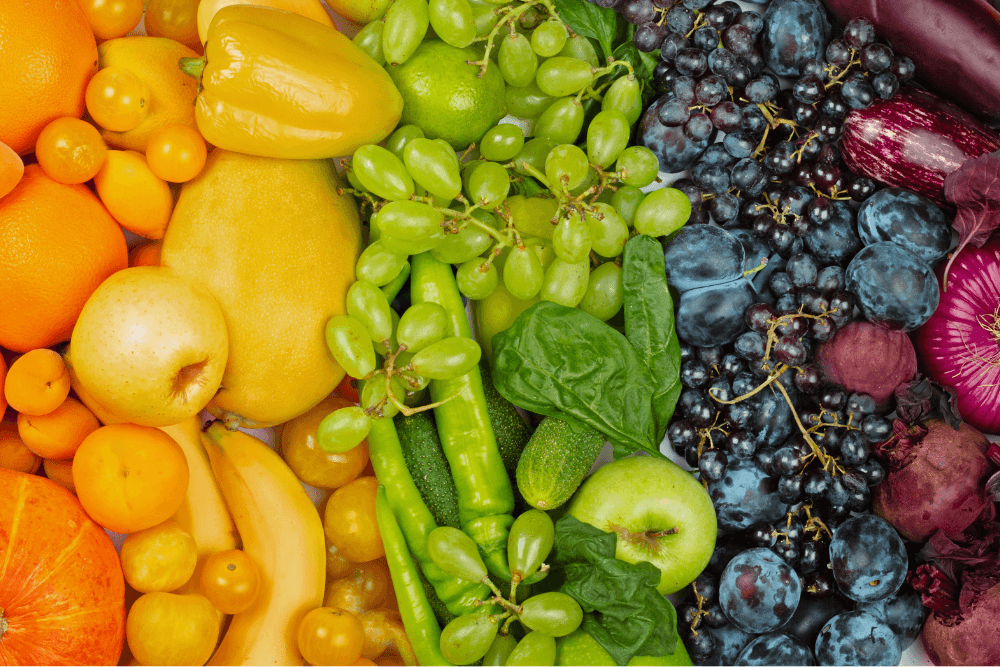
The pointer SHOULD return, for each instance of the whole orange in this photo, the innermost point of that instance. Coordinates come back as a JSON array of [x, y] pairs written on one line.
[[57, 244], [47, 55]]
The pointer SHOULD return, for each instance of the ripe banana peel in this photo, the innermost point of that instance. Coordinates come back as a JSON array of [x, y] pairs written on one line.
[[283, 533]]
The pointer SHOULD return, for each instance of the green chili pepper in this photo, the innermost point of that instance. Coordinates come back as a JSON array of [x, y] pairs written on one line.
[[485, 495], [418, 618], [415, 520]]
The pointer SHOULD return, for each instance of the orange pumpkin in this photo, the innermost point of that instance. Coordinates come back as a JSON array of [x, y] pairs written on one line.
[[62, 593]]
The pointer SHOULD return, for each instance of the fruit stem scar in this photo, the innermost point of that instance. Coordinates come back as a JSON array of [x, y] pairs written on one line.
[[647, 538]]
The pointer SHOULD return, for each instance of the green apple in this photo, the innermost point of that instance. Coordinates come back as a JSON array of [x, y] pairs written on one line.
[[579, 648], [660, 512]]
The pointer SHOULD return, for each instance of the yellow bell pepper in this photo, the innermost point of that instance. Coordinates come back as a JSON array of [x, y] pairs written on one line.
[[280, 85]]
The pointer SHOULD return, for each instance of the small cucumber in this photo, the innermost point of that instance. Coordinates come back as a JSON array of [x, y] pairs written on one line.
[[558, 457], [511, 431], [428, 466]]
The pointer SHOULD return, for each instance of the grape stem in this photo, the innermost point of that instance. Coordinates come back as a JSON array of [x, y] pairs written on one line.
[[508, 16], [837, 78], [779, 370]]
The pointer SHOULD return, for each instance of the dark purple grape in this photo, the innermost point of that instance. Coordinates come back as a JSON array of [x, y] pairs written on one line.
[[741, 445], [780, 284], [837, 495], [809, 90], [822, 329], [695, 374], [682, 433], [859, 497], [802, 270], [800, 227], [842, 307], [762, 89], [673, 113], [672, 44], [857, 91], [705, 38], [714, 617], [664, 75], [828, 128], [759, 317], [861, 188], [859, 33], [751, 345], [826, 176], [793, 326], [817, 483], [755, 61], [679, 20], [724, 207], [754, 121], [811, 556], [710, 90], [805, 115], [833, 398], [903, 68], [814, 67], [711, 355], [787, 462], [638, 12], [830, 279], [872, 470], [885, 85], [731, 366], [691, 456], [738, 39], [699, 127], [787, 551], [740, 145], [808, 378], [700, 646], [649, 36], [722, 14], [691, 62], [762, 535], [740, 75], [727, 116], [712, 464], [721, 61], [860, 405], [876, 58], [782, 240], [719, 389], [779, 159], [833, 105], [752, 21], [838, 53], [818, 584], [876, 428], [790, 489]]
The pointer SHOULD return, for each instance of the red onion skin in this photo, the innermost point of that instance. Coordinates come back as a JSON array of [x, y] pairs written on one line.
[[973, 641], [913, 141], [941, 484], [955, 44], [865, 357], [955, 348]]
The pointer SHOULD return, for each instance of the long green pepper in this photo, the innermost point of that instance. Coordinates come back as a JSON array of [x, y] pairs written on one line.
[[418, 618], [485, 494]]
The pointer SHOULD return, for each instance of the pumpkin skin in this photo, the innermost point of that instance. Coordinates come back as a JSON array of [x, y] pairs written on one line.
[[62, 592]]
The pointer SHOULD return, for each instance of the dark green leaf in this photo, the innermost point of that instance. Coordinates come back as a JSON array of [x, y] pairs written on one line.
[[564, 363], [642, 63], [649, 323], [624, 611], [527, 186], [589, 20]]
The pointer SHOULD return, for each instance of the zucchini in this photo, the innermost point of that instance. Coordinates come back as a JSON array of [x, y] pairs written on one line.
[[509, 427], [555, 462], [428, 467]]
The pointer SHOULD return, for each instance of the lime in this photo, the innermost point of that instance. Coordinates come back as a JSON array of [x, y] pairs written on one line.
[[444, 96]]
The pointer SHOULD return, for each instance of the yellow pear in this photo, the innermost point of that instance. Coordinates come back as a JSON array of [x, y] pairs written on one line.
[[275, 244], [149, 346]]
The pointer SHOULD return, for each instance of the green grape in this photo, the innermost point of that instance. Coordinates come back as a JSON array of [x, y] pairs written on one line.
[[447, 359], [562, 121], [626, 200], [367, 304], [561, 76], [343, 429], [403, 135], [401, 245], [499, 650], [523, 272], [453, 21], [467, 170], [529, 542], [369, 40], [607, 137], [535, 649], [489, 184], [639, 166], [549, 38], [382, 173], [386, 349], [556, 614], [545, 254], [533, 216], [625, 95], [454, 552], [605, 294], [571, 240], [351, 345], [477, 278], [580, 47], [534, 153], [459, 248], [406, 23], [467, 638], [433, 166], [379, 265], [352, 179], [608, 232], [565, 283], [527, 102], [662, 212], [411, 221], [502, 142], [373, 393], [421, 325], [518, 63], [374, 231], [485, 16], [566, 166], [590, 180]]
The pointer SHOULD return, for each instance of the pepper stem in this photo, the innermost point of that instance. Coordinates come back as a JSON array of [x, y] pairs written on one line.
[[193, 67]]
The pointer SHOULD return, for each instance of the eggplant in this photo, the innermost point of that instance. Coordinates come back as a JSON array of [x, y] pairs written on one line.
[[955, 44], [913, 141]]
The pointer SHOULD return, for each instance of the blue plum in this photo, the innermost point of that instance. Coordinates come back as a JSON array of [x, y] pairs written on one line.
[[772, 422], [903, 612], [713, 315], [744, 496], [729, 640], [703, 255], [834, 241], [674, 148], [857, 638], [894, 287], [758, 591], [868, 558], [812, 615], [907, 219], [794, 31], [776, 648]]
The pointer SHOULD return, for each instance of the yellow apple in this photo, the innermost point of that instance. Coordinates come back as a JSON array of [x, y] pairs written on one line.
[[149, 346]]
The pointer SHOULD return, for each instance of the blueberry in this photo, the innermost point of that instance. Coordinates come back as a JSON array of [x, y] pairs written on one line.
[[758, 591]]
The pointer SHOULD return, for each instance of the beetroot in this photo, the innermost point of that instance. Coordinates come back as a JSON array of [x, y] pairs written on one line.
[[866, 358], [968, 640], [936, 479]]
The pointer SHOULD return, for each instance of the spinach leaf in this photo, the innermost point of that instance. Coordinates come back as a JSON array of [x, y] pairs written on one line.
[[624, 611], [592, 21], [564, 363], [642, 63], [649, 323]]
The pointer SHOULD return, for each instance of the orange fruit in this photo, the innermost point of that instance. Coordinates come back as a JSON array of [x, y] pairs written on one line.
[[145, 254], [3, 379], [60, 472], [14, 454], [11, 168], [37, 383], [48, 55], [57, 244], [58, 434], [130, 477]]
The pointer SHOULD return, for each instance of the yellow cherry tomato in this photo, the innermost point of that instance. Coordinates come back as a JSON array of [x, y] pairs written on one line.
[[112, 18], [330, 636], [172, 629], [70, 150], [161, 558], [174, 19], [117, 99], [136, 197], [176, 153], [11, 169], [230, 581]]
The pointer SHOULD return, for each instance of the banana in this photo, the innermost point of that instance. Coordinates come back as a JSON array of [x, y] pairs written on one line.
[[282, 533]]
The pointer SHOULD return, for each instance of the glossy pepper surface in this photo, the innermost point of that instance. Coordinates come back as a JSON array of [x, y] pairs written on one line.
[[280, 85]]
